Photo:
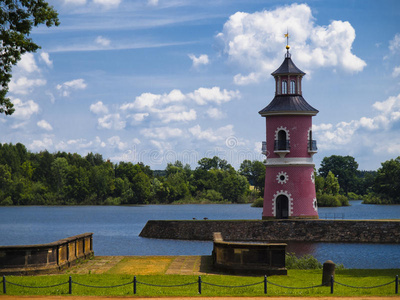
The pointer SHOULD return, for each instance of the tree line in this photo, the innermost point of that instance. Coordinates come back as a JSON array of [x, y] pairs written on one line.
[[62, 178]]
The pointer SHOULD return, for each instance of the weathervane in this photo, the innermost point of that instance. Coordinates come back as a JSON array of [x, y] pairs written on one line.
[[287, 43]]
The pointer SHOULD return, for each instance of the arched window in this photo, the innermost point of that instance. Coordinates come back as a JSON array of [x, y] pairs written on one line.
[[292, 87], [282, 142], [284, 87]]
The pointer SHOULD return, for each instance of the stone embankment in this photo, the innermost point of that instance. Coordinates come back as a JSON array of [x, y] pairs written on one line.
[[349, 231]]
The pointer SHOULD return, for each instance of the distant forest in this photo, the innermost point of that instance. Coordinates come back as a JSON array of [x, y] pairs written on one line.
[[62, 178]]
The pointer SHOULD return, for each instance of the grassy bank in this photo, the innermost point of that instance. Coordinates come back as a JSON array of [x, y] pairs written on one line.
[[295, 278]]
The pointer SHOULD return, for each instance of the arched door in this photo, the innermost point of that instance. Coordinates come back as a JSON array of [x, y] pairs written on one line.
[[282, 207]]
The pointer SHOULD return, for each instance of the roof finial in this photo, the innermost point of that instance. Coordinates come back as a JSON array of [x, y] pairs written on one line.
[[287, 43]]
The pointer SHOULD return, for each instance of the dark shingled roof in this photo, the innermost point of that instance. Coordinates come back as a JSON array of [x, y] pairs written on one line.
[[288, 104], [288, 67]]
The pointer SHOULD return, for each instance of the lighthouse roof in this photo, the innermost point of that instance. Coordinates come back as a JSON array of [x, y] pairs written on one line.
[[288, 105], [288, 67]]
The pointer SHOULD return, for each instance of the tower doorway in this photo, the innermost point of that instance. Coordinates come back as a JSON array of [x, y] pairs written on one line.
[[282, 207]]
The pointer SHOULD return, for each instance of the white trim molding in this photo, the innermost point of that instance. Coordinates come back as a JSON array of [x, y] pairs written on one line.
[[282, 177], [290, 199], [284, 129]]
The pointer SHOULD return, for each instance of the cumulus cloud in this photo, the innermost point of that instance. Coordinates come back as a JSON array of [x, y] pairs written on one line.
[[75, 2], [371, 132], [112, 121], [161, 133], [198, 61], [103, 41], [24, 110], [116, 142], [98, 108], [211, 135], [172, 107], [203, 96], [28, 63], [44, 125], [23, 85], [394, 45], [152, 2], [66, 87], [252, 41], [107, 4], [215, 113], [46, 143], [396, 71], [139, 117], [44, 56]]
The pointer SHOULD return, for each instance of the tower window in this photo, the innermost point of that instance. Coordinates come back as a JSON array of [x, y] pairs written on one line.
[[292, 87], [284, 87]]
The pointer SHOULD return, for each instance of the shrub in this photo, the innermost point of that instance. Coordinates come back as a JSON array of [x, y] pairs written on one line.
[[354, 196], [306, 262], [259, 202], [328, 200], [344, 201]]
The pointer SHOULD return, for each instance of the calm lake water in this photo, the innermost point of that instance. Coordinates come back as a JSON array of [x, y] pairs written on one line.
[[116, 230]]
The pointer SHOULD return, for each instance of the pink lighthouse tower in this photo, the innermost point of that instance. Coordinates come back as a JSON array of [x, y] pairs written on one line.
[[289, 148]]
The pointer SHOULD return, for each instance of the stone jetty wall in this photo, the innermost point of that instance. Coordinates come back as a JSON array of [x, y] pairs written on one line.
[[351, 231]]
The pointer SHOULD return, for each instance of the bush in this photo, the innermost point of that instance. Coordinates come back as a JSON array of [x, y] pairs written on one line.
[[259, 202], [326, 200], [344, 201], [354, 196], [373, 198], [6, 202], [306, 262]]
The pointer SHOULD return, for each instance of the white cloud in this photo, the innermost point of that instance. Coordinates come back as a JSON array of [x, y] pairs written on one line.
[[396, 71], [394, 45], [253, 77], [139, 117], [252, 41], [44, 125], [152, 2], [172, 107], [366, 132], [28, 63], [24, 85], [46, 58], [215, 113], [112, 121], [98, 108], [116, 142], [24, 110], [211, 135], [198, 61], [75, 2], [103, 41], [149, 100], [66, 87], [46, 143], [161, 133], [203, 96], [107, 4]]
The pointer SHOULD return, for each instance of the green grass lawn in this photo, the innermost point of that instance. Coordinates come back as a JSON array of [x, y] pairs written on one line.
[[295, 278]]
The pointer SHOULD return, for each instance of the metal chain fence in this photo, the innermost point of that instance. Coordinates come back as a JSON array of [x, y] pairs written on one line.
[[199, 283]]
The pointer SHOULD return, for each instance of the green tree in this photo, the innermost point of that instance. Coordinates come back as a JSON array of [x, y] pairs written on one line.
[[344, 167], [254, 171], [387, 183], [17, 18], [331, 185]]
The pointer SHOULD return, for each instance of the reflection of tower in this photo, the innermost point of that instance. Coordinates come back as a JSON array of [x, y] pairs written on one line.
[[289, 178]]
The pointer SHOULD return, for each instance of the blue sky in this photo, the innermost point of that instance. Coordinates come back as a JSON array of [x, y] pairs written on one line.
[[156, 81]]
